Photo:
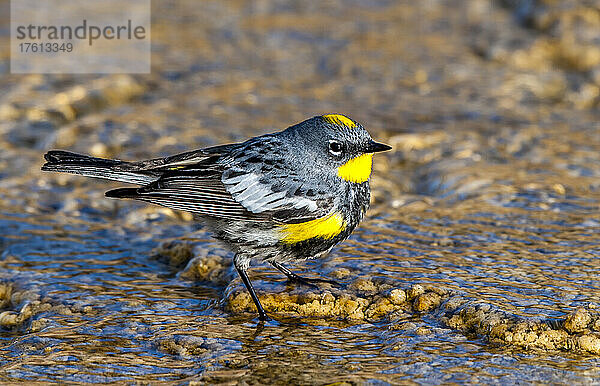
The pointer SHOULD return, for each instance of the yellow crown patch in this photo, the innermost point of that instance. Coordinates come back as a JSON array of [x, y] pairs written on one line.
[[339, 119]]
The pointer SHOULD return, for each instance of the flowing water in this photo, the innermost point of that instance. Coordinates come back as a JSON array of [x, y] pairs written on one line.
[[478, 261]]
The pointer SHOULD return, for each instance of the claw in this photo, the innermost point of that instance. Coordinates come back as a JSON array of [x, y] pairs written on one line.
[[302, 280]]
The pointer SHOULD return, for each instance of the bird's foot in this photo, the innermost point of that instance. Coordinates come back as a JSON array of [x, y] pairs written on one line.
[[292, 277], [309, 281]]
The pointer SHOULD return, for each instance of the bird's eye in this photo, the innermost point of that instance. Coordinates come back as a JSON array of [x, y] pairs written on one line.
[[335, 148]]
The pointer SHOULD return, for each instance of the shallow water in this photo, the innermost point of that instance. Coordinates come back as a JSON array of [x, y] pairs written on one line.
[[491, 196]]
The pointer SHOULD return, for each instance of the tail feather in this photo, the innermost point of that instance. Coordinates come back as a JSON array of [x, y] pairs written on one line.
[[67, 162], [122, 193], [66, 157]]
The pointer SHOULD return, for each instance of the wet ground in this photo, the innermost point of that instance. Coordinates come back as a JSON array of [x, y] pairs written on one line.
[[478, 261]]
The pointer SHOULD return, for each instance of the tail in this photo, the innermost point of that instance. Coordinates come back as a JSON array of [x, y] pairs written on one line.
[[67, 162], [123, 193]]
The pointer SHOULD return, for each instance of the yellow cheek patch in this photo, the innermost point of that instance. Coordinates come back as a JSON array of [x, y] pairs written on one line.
[[325, 227], [358, 169], [338, 119]]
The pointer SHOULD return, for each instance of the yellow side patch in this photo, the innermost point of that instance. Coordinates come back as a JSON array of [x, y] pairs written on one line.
[[325, 227], [358, 169], [339, 119]]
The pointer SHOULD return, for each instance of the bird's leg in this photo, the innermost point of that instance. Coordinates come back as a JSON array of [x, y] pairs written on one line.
[[262, 315], [299, 279]]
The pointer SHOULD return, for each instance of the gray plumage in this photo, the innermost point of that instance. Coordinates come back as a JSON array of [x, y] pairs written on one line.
[[251, 193]]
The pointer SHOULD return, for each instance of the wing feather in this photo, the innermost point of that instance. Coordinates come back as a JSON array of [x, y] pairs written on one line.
[[225, 182], [200, 192]]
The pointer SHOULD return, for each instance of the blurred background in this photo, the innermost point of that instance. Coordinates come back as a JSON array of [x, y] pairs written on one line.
[[486, 213]]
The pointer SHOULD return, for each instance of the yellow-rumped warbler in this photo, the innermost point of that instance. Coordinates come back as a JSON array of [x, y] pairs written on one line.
[[277, 197]]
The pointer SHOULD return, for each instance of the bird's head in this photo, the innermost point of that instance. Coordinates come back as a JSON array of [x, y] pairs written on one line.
[[338, 141]]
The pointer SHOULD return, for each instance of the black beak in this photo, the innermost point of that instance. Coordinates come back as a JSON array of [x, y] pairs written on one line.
[[375, 147]]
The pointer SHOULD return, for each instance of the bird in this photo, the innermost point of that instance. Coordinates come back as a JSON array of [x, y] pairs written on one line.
[[277, 198]]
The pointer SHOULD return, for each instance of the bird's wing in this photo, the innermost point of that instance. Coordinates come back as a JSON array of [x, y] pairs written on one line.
[[195, 191], [191, 182], [198, 158], [286, 202], [261, 178], [249, 181]]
